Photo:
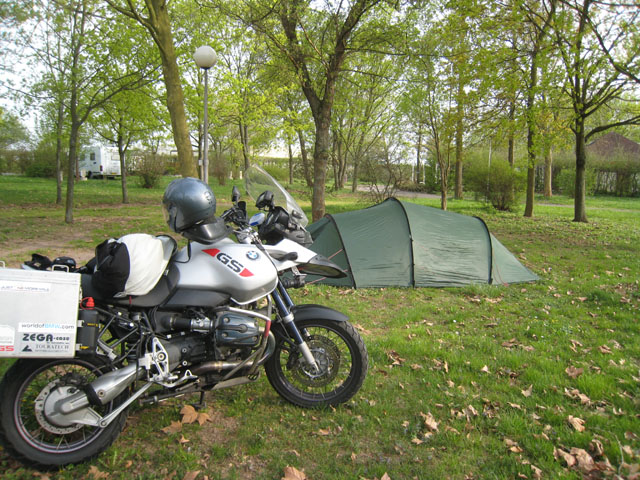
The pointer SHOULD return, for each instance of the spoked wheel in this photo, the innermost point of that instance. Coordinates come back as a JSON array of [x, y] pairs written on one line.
[[342, 362], [28, 431]]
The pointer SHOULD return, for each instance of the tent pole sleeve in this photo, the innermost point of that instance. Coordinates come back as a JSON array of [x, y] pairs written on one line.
[[346, 255], [486, 229], [413, 262]]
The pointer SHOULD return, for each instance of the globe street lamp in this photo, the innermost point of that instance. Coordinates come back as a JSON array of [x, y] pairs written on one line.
[[205, 58]]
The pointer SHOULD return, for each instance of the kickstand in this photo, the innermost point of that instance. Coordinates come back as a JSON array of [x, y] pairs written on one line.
[[201, 404]]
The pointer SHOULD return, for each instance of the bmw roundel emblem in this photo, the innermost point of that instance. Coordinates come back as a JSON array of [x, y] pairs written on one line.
[[253, 255]]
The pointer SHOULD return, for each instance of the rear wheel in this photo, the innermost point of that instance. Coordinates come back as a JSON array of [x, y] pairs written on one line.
[[340, 354], [25, 428]]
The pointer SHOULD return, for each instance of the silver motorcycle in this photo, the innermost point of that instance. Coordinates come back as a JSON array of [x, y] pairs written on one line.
[[219, 313]]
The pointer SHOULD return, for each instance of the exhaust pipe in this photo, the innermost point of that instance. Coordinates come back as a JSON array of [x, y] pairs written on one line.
[[217, 366]]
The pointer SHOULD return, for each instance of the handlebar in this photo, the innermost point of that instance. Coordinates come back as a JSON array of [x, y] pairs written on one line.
[[296, 282]]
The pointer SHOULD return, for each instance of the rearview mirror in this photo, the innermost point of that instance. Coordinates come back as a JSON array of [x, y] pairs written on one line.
[[235, 195]]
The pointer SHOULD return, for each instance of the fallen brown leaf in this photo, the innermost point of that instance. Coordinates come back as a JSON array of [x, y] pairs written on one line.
[[203, 418], [362, 329], [173, 428], [596, 447], [512, 446], [395, 358], [527, 393], [191, 475], [574, 372], [569, 459], [604, 349], [470, 411], [429, 421], [585, 462], [292, 473], [577, 395], [189, 414], [97, 474], [576, 423], [537, 473]]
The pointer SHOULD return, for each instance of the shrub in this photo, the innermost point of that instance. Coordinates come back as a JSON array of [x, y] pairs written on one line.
[[41, 168], [566, 181], [501, 184], [219, 168], [414, 187], [150, 169], [281, 174]]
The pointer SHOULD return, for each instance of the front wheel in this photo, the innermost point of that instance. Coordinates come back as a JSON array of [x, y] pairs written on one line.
[[25, 429], [341, 357]]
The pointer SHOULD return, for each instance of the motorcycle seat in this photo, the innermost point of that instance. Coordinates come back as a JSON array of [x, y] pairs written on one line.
[[157, 296]]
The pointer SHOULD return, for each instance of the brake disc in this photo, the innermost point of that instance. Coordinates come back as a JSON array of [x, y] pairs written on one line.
[[327, 356]]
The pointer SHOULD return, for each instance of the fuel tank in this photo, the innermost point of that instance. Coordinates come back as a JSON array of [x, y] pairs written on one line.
[[239, 270]]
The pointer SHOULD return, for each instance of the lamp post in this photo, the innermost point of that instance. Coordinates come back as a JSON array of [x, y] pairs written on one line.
[[205, 58]]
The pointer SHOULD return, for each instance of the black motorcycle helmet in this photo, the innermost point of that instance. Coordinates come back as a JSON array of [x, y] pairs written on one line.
[[188, 202]]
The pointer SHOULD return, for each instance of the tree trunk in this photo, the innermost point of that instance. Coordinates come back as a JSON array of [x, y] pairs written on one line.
[[443, 189], [305, 159], [244, 132], [161, 32], [122, 150], [511, 145], [531, 153], [459, 140], [320, 160], [459, 193], [290, 163], [59, 176], [444, 178], [548, 172], [531, 185], [71, 177], [580, 213], [356, 172], [419, 154]]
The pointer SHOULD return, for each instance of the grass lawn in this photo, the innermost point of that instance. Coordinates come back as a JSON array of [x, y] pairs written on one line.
[[485, 382]]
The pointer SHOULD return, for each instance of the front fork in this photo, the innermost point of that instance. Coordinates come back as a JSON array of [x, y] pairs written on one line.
[[284, 305]]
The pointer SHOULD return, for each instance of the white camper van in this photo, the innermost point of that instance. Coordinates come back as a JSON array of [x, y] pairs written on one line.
[[99, 161]]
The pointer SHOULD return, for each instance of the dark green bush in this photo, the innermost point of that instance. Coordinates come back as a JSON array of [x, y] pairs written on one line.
[[219, 168], [150, 169], [501, 184], [41, 168], [566, 181], [281, 174]]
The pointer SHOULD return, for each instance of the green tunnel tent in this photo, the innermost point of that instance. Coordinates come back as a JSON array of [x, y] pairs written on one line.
[[398, 243]]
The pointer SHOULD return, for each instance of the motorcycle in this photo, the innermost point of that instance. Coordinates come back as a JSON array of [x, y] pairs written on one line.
[[218, 315]]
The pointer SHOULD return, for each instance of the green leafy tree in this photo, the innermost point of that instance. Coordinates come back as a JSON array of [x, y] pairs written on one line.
[[13, 135], [591, 81], [537, 22], [154, 16], [127, 118], [316, 40]]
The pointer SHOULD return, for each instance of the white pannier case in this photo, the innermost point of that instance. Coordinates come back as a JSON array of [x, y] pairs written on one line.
[[38, 313]]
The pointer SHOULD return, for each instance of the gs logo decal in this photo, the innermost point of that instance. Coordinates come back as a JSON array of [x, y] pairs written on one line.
[[227, 260]]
